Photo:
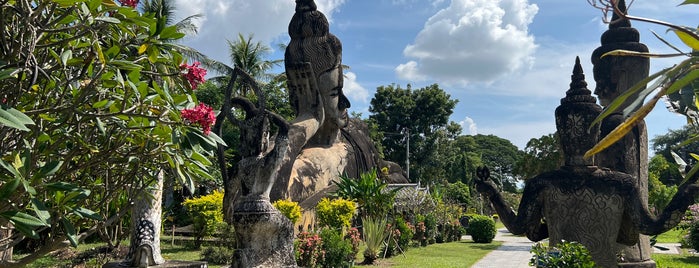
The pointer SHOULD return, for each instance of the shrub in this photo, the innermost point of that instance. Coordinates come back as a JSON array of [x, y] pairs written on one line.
[[338, 252], [481, 228], [565, 254], [217, 255], [354, 237], [335, 213], [308, 249], [288, 208], [206, 212], [374, 235], [420, 235], [693, 237]]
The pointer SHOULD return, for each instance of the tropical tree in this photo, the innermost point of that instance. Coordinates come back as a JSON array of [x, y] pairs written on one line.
[[95, 102], [540, 155], [420, 117]]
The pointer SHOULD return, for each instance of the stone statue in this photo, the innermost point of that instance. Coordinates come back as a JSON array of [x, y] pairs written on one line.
[[341, 145], [581, 202], [304, 156], [614, 75]]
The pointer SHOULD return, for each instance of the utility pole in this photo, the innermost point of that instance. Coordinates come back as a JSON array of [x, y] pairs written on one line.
[[406, 132]]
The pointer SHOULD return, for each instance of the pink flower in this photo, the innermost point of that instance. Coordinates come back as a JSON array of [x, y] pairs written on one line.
[[202, 115], [193, 74], [129, 3]]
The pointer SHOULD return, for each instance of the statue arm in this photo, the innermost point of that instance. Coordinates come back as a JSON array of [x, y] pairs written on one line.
[[529, 216], [649, 224]]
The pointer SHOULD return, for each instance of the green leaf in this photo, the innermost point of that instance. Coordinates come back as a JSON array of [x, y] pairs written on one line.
[[7, 73], [86, 213], [70, 232], [62, 186], [109, 19], [100, 125], [65, 56], [687, 39], [50, 168], [8, 188], [100, 104], [15, 119], [41, 211], [21, 218], [690, 2], [11, 169]]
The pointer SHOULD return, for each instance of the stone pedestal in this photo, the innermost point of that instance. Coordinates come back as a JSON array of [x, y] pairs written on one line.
[[266, 236]]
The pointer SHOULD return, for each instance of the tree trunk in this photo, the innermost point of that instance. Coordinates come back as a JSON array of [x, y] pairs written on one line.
[[145, 227]]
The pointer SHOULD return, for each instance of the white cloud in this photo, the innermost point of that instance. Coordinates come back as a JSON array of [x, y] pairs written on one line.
[[353, 90], [224, 19], [472, 41], [469, 125]]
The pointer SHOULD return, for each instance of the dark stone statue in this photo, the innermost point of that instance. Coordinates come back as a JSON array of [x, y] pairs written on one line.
[[614, 75], [582, 202]]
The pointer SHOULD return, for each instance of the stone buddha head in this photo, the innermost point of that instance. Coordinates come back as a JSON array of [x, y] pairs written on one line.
[[311, 41]]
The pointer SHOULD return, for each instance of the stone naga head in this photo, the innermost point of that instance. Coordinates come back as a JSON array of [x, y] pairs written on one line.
[[311, 41]]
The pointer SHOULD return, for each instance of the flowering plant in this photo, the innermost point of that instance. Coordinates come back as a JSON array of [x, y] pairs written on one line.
[[354, 237], [194, 74], [308, 249], [129, 3], [201, 115]]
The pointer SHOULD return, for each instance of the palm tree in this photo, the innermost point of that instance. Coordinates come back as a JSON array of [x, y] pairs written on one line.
[[249, 56]]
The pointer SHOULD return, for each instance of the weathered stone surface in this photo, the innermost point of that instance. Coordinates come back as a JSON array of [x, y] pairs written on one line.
[[614, 75], [598, 207], [265, 235]]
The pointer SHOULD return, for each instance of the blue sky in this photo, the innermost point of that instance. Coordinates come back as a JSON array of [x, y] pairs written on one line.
[[508, 62]]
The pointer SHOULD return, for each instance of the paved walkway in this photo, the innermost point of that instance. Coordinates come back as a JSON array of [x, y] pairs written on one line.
[[514, 252]]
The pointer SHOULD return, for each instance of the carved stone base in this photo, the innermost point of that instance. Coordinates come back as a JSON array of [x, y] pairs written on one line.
[[167, 264], [644, 264], [265, 236]]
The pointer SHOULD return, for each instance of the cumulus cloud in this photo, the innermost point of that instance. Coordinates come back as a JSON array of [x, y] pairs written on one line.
[[224, 19], [469, 125], [353, 90], [472, 41]]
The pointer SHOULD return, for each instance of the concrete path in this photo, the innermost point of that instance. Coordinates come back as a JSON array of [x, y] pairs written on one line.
[[514, 252]]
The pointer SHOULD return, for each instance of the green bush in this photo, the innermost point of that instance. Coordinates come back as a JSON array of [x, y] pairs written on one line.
[[288, 208], [335, 213], [217, 255], [481, 228], [564, 255], [338, 251], [693, 237], [206, 212]]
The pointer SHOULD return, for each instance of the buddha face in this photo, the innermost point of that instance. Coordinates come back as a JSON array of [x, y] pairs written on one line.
[[335, 103]]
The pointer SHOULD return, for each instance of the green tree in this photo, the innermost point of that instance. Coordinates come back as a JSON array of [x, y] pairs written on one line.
[[660, 194], [540, 155], [92, 94], [421, 115], [457, 193], [501, 156], [678, 141]]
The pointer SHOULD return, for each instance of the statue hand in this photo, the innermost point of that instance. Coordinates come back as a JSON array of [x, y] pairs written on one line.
[[483, 183]]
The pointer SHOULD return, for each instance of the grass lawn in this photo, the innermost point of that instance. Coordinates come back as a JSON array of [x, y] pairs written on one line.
[[673, 236], [455, 254]]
